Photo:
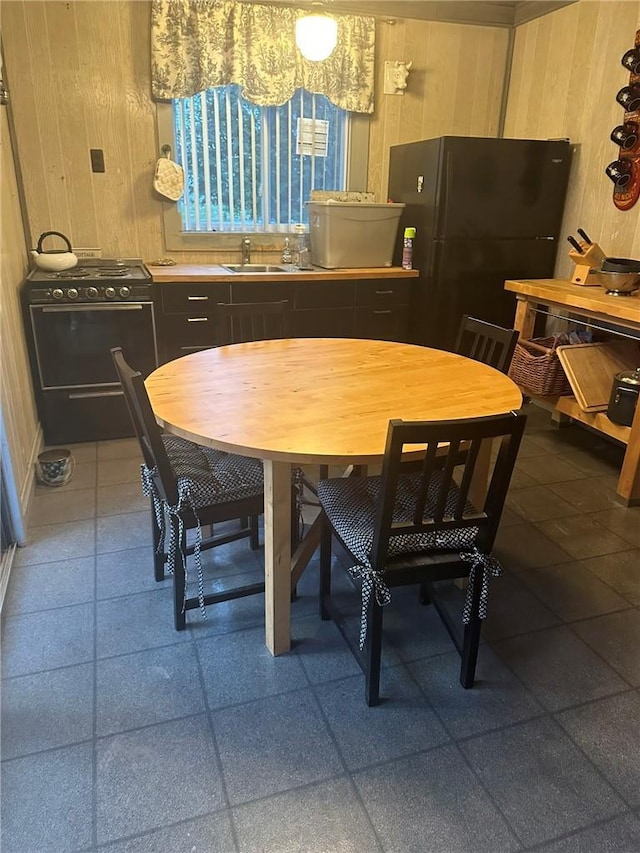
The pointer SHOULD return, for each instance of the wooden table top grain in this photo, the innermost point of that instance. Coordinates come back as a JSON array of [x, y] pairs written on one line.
[[316, 401], [319, 400]]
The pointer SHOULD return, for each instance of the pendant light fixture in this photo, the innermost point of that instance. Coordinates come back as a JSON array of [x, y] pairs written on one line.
[[316, 35]]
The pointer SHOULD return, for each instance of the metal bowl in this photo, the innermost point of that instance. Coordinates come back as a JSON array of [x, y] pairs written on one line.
[[620, 265], [619, 283]]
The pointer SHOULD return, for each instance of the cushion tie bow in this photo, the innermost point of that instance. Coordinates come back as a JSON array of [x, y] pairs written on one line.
[[371, 580], [490, 567]]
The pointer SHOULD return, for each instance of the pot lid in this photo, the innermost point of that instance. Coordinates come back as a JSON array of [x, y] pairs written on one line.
[[630, 377]]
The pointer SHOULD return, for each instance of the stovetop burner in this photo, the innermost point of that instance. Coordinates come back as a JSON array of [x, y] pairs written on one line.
[[116, 279], [76, 272], [116, 272]]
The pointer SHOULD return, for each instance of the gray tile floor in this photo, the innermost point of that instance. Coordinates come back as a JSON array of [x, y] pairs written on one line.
[[121, 735]]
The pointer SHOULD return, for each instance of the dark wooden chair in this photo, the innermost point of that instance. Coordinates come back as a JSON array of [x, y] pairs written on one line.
[[190, 487], [419, 527], [242, 322], [485, 342]]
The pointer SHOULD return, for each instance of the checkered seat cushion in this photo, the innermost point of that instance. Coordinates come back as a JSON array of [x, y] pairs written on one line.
[[350, 504], [204, 477], [209, 476]]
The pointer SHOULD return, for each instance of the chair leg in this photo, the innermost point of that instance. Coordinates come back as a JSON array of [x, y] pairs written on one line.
[[373, 652], [425, 598], [179, 617], [470, 645], [325, 564], [158, 558], [254, 537], [471, 641]]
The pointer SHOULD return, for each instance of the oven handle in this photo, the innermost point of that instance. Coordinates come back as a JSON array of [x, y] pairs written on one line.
[[84, 395], [126, 306]]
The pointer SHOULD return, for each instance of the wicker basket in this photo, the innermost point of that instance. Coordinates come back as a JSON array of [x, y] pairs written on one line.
[[536, 367]]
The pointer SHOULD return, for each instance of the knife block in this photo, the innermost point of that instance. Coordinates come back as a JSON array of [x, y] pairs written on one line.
[[591, 259]]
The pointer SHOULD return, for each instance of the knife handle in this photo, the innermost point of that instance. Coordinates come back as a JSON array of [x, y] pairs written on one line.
[[584, 236], [576, 245]]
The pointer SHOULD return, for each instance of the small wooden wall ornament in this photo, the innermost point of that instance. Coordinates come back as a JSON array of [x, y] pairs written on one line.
[[625, 171]]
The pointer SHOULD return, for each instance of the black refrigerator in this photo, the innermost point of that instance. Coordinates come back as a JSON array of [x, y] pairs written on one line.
[[484, 210]]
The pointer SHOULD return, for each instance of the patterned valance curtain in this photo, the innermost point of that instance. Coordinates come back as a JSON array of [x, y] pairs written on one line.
[[198, 44]]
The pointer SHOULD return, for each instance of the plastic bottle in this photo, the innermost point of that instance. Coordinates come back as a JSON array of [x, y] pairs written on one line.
[[407, 248], [287, 256], [302, 255]]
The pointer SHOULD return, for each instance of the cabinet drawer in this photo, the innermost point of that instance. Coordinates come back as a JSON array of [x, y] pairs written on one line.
[[325, 294], [193, 330], [383, 292], [193, 298], [383, 324]]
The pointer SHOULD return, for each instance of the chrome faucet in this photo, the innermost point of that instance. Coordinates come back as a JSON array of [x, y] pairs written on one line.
[[246, 251]]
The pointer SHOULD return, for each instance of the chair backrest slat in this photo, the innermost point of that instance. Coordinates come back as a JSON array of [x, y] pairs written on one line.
[[470, 461], [250, 321], [146, 427], [486, 342], [428, 512]]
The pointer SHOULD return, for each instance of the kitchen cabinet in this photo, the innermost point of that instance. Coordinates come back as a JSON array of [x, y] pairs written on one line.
[[382, 311], [185, 317], [333, 308]]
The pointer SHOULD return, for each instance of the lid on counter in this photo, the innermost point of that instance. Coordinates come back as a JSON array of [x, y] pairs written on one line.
[[410, 233]]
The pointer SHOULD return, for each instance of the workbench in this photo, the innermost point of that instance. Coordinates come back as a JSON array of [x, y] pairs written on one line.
[[558, 297]]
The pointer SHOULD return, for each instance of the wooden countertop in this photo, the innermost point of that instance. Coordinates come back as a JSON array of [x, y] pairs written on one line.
[[592, 300], [215, 272]]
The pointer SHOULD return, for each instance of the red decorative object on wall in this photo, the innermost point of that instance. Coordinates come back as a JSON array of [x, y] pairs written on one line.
[[625, 171]]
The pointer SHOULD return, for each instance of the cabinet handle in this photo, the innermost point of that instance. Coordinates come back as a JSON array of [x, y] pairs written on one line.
[[387, 311], [384, 292], [197, 319], [197, 298], [87, 395]]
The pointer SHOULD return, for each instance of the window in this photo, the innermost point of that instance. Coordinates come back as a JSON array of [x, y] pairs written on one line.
[[250, 169]]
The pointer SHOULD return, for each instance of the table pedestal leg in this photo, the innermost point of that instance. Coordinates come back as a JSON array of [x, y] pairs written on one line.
[[277, 555]]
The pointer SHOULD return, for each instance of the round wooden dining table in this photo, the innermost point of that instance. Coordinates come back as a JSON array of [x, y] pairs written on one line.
[[317, 401]]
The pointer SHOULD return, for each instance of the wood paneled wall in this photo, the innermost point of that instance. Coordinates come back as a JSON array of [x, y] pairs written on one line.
[[16, 396], [566, 73], [454, 87], [80, 75], [80, 79]]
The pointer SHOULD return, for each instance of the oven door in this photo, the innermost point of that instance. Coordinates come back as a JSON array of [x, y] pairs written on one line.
[[73, 342]]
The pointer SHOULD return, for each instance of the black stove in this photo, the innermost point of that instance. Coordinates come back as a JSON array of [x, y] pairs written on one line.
[[94, 280], [72, 320]]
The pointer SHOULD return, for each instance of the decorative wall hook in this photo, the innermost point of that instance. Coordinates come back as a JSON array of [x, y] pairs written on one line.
[[395, 77]]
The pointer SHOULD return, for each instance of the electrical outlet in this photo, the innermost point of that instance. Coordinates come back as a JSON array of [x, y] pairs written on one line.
[[87, 253]]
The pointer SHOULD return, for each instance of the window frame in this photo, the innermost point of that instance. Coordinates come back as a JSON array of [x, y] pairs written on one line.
[[178, 240]]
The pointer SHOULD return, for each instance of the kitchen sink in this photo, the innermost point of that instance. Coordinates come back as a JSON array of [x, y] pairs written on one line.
[[251, 268]]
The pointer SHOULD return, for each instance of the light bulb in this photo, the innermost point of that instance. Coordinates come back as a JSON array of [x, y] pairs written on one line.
[[316, 36]]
